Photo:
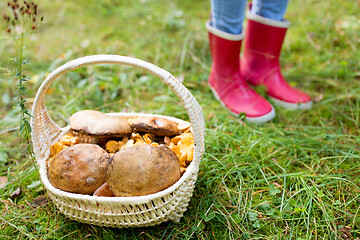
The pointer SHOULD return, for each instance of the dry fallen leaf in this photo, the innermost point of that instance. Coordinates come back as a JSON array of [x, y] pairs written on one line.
[[15, 193], [3, 181], [318, 98], [39, 201], [345, 232]]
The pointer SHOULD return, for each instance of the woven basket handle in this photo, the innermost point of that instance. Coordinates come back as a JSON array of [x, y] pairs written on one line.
[[45, 130]]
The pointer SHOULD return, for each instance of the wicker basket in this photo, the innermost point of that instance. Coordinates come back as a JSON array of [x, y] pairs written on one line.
[[169, 204]]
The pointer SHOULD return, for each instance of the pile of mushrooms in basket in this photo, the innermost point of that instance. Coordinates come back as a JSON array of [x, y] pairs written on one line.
[[124, 156]]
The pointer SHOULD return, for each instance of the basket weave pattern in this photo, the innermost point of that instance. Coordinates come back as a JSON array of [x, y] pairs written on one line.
[[169, 204]]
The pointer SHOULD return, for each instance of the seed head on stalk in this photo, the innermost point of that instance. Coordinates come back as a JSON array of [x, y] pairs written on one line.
[[22, 19]]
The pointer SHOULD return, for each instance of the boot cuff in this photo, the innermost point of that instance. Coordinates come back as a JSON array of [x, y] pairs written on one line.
[[222, 34], [267, 21]]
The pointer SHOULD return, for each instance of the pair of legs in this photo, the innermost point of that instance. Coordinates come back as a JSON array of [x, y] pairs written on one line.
[[259, 64], [228, 15]]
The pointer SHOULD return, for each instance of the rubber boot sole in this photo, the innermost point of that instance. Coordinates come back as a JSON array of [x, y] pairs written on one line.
[[261, 119], [291, 106]]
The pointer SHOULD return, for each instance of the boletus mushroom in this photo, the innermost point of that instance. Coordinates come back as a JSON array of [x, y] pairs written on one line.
[[79, 168], [98, 124], [156, 125], [104, 191], [142, 170]]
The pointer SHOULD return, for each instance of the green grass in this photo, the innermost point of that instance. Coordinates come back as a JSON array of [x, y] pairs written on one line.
[[297, 177]]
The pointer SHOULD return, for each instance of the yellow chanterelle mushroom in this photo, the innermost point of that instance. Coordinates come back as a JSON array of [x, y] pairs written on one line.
[[65, 141], [183, 146]]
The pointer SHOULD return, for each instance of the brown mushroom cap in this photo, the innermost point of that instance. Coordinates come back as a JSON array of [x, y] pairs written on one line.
[[142, 170], [79, 168], [96, 123], [156, 125]]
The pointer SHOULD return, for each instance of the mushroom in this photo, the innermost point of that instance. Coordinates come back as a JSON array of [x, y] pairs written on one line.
[[179, 154], [69, 140], [182, 170], [112, 146], [79, 168], [176, 139], [183, 126], [183, 146], [96, 123], [136, 137], [65, 141], [156, 125], [142, 170], [128, 144], [167, 140], [148, 138], [56, 148], [154, 144], [104, 191], [138, 140], [186, 145]]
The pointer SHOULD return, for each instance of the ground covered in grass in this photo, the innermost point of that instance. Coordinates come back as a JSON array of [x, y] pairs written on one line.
[[297, 177]]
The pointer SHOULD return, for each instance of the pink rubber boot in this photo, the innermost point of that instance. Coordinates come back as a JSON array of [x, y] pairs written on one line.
[[227, 84], [260, 62]]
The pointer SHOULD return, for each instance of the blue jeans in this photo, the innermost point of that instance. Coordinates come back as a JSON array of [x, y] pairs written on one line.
[[228, 15]]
